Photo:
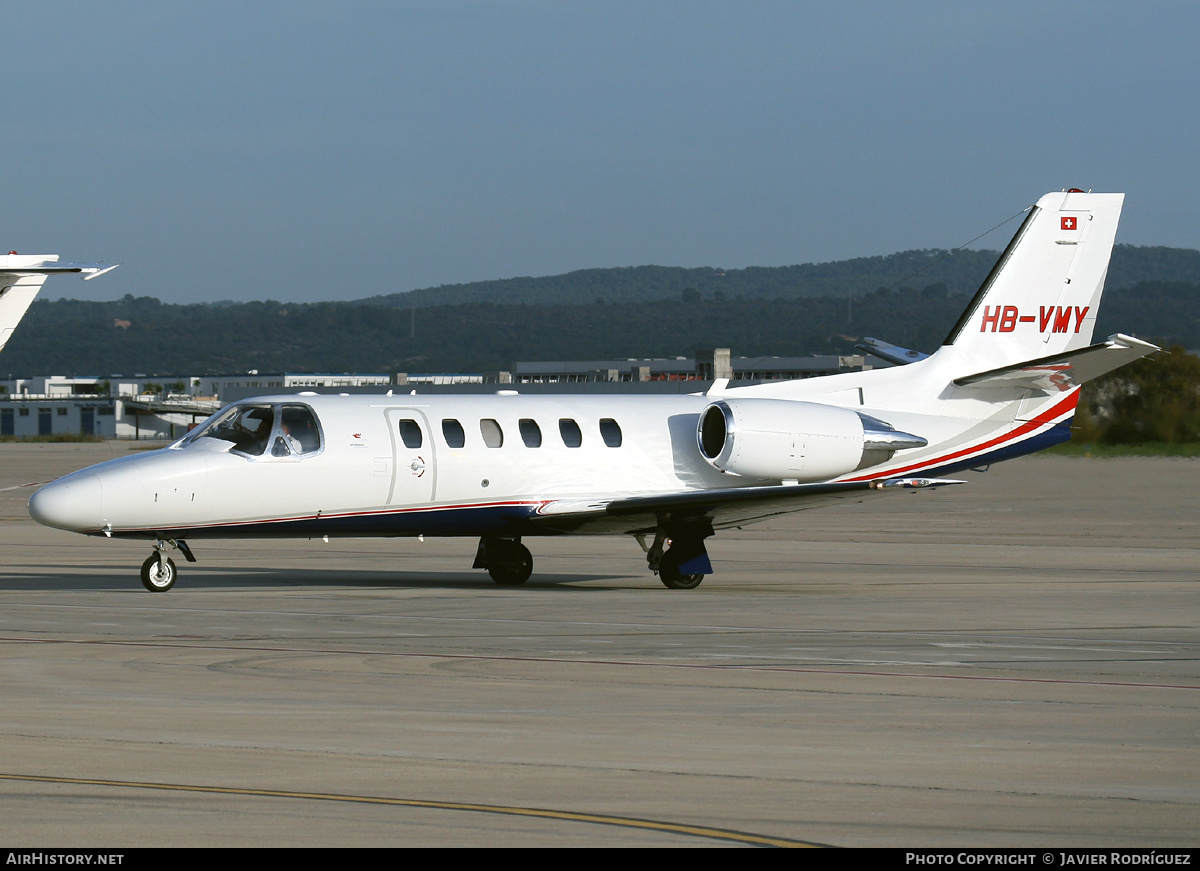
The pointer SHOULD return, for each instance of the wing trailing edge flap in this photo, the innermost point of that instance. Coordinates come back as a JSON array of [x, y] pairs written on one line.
[[1062, 372], [726, 506]]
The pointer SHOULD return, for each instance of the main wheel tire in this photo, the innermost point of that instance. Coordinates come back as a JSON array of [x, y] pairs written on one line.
[[509, 562], [158, 576], [668, 573]]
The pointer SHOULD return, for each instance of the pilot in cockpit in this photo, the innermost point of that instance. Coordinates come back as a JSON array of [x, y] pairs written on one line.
[[258, 423], [286, 444], [298, 427]]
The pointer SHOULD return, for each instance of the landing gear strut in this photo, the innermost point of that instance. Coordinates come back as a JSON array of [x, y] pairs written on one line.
[[158, 571], [507, 560]]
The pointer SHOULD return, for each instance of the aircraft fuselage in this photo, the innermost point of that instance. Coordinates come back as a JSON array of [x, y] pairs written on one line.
[[472, 466]]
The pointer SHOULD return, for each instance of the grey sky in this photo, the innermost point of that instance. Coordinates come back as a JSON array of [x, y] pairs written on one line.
[[310, 150]]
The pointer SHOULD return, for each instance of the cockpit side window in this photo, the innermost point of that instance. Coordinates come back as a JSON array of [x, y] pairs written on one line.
[[298, 428], [247, 426], [290, 430]]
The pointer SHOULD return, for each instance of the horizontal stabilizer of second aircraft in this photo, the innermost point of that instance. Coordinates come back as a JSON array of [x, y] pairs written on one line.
[[88, 271], [891, 353]]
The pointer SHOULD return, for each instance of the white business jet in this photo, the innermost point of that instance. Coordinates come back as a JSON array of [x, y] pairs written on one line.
[[22, 276], [669, 471]]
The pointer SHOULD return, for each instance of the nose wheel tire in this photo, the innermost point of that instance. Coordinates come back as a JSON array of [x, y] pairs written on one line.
[[158, 576]]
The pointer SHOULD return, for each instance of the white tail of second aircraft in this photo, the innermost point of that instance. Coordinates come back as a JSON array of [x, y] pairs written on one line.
[[22, 276]]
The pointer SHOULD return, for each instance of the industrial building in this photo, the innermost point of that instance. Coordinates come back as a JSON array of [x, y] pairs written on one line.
[[706, 366], [158, 407]]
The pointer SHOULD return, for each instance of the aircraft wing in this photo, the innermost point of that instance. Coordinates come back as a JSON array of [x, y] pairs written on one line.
[[1064, 371], [723, 508]]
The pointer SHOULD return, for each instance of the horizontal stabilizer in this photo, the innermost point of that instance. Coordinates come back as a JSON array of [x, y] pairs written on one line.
[[47, 267], [891, 353], [1061, 372], [22, 276]]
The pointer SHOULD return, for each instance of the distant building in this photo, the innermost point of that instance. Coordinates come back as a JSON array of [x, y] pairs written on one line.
[[158, 407], [707, 366], [24, 417]]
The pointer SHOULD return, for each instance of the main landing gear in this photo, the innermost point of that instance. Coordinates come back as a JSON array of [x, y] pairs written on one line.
[[678, 557], [507, 560], [684, 563], [158, 571]]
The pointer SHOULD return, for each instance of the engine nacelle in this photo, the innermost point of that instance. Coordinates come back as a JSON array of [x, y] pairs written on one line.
[[789, 440]]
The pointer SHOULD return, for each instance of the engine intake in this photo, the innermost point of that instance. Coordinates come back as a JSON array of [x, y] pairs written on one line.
[[784, 440]]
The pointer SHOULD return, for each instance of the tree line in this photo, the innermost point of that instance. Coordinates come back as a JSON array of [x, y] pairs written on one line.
[[142, 335], [1156, 399]]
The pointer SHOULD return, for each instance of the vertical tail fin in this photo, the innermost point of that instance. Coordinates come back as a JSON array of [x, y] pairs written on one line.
[[1043, 295], [22, 276]]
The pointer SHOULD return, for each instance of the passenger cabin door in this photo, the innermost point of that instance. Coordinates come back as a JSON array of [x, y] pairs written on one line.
[[414, 473]]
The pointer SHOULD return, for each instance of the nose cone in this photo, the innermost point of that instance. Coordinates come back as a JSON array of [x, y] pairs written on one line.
[[71, 503]]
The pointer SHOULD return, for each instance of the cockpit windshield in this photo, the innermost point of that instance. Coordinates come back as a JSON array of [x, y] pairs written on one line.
[[287, 430]]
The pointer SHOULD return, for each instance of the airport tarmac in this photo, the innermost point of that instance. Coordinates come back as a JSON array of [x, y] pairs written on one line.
[[1009, 663]]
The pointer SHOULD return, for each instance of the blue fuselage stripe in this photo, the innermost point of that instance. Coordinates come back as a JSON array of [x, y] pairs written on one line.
[[474, 520]]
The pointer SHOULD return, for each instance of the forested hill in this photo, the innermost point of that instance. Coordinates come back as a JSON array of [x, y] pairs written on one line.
[[135, 335], [1153, 293], [960, 272]]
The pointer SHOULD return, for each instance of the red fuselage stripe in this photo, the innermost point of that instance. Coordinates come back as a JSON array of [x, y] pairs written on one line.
[[1046, 417]]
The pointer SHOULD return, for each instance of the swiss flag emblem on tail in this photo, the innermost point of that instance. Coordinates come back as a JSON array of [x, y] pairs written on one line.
[[1070, 223]]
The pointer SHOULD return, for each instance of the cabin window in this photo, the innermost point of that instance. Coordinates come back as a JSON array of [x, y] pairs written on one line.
[[569, 430], [452, 432], [493, 436], [531, 433], [410, 433], [610, 431]]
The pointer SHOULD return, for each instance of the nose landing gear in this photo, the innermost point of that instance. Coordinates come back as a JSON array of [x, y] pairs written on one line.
[[158, 571]]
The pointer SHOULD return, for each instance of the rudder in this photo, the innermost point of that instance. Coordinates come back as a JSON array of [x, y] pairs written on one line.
[[1043, 295]]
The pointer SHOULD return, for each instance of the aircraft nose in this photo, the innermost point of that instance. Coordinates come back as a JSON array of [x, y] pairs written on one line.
[[69, 503]]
